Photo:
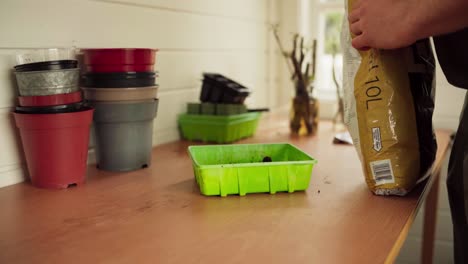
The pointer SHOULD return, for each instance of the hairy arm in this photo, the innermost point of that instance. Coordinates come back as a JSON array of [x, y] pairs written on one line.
[[390, 24]]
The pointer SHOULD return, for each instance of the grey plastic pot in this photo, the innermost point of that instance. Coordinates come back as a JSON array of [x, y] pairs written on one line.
[[123, 133], [37, 83]]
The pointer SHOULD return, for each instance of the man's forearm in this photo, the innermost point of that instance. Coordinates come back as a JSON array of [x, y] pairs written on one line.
[[391, 24], [439, 17]]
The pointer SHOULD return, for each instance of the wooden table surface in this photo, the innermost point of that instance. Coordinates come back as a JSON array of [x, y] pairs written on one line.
[[157, 215]]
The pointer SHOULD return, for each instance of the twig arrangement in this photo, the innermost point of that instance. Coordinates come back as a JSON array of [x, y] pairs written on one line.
[[302, 70], [304, 119]]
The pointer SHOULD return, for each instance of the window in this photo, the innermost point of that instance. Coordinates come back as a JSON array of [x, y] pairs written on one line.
[[328, 20], [332, 32]]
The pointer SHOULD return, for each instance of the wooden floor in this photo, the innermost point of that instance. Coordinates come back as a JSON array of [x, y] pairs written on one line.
[[157, 215]]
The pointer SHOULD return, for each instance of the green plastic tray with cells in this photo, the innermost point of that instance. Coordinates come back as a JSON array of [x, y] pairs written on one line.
[[218, 129], [221, 170]]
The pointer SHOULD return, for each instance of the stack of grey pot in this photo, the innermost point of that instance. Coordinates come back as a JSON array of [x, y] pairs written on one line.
[[120, 85]]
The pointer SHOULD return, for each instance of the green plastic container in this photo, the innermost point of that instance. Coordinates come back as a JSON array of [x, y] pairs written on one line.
[[219, 129], [251, 168]]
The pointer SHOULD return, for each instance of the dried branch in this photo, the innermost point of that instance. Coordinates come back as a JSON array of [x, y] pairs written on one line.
[[301, 61], [293, 57], [294, 51], [301, 74], [301, 85], [306, 74], [339, 95], [314, 52], [280, 45]]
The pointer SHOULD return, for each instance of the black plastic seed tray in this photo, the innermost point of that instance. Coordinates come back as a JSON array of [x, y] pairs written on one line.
[[217, 89]]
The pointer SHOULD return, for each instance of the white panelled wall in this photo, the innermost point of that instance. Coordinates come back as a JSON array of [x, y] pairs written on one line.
[[194, 36]]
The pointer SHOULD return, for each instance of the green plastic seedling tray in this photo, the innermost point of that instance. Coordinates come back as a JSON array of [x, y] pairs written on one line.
[[218, 129], [250, 168]]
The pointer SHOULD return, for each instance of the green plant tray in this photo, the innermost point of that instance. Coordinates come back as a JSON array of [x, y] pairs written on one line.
[[218, 129], [239, 169]]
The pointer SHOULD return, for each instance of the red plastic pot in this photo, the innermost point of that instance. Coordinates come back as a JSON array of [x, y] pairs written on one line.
[[119, 60], [50, 100], [95, 68], [56, 147]]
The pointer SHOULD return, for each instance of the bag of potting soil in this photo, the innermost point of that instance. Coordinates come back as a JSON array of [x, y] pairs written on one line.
[[389, 101]]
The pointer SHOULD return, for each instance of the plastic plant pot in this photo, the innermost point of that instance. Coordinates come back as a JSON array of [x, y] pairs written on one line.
[[38, 83], [208, 109], [205, 92], [120, 94], [119, 79], [56, 109], [216, 95], [234, 94], [219, 89], [193, 108], [242, 108], [119, 60], [47, 65], [218, 85], [230, 109], [119, 56], [123, 133], [45, 55], [209, 82], [56, 147], [110, 68], [50, 100]]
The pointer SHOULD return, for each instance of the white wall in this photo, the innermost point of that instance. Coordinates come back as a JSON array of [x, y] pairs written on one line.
[[289, 24], [194, 36]]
